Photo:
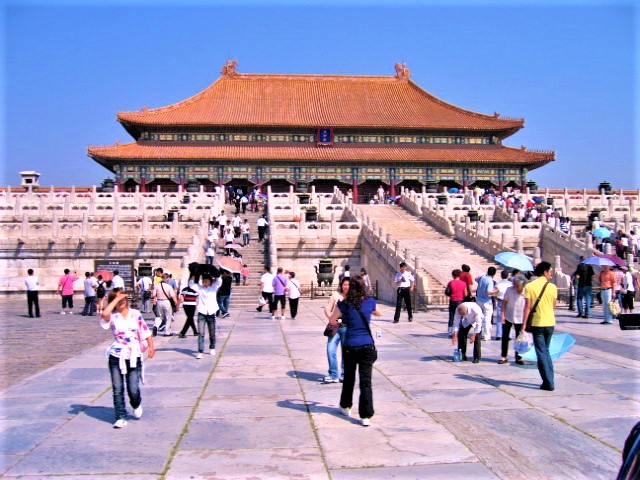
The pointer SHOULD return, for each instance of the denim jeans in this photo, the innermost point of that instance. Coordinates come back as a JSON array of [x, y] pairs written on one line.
[[584, 300], [541, 341], [223, 303], [363, 358], [332, 352], [117, 384], [606, 298], [245, 239], [210, 322], [498, 318], [89, 306]]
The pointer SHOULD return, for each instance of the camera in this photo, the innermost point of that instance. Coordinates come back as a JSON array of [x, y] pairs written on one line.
[[379, 333]]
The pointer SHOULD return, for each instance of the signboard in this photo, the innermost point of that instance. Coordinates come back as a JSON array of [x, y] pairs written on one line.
[[124, 267], [325, 136]]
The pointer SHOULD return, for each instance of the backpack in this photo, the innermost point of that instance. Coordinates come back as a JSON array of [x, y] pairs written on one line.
[[100, 291]]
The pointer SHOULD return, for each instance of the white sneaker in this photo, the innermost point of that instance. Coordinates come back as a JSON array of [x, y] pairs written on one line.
[[329, 379], [120, 423], [345, 411], [137, 412], [69, 312], [273, 317], [283, 317], [212, 352], [199, 356], [366, 422], [63, 312]]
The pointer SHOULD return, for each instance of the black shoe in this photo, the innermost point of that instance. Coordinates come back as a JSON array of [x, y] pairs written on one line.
[[411, 319], [547, 388], [579, 315], [585, 316], [605, 323], [182, 336], [396, 321], [154, 331], [498, 338], [258, 309], [464, 358], [476, 360], [520, 362]]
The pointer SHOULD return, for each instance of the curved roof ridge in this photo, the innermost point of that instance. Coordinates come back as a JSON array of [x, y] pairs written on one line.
[[454, 107]]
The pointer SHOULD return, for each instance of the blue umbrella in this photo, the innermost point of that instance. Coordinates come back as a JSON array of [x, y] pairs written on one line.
[[602, 232], [560, 344], [599, 262], [453, 190], [537, 199], [514, 260]]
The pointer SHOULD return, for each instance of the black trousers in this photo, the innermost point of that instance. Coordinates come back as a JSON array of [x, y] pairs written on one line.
[[506, 330], [261, 233], [293, 307], [268, 296], [462, 342], [403, 294], [363, 358], [453, 304], [190, 311], [32, 300]]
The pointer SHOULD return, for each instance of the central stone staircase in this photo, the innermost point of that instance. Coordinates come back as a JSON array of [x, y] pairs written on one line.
[[255, 256], [438, 253]]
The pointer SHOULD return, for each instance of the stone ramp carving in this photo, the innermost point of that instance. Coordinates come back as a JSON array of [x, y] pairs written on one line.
[[439, 254]]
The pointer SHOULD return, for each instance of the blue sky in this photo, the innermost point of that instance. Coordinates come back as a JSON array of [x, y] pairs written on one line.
[[570, 70]]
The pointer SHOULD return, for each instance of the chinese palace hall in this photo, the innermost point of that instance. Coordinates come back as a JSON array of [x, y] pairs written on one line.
[[351, 131]]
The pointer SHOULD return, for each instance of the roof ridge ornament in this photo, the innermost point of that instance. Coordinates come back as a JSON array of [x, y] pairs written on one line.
[[229, 68], [402, 71], [144, 108]]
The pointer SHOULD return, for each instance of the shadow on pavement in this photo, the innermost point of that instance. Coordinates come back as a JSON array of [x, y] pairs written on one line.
[[104, 414], [308, 376], [496, 383]]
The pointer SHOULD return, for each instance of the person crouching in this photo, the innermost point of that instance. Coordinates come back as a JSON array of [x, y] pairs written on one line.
[[468, 316]]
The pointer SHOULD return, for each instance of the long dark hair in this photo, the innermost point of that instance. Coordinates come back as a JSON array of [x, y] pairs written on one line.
[[356, 293]]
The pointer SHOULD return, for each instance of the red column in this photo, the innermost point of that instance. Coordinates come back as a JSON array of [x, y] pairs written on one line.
[[501, 185], [465, 184], [354, 190], [143, 185], [392, 188], [181, 183]]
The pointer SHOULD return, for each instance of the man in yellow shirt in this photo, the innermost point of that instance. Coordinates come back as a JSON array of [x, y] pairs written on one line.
[[543, 320]]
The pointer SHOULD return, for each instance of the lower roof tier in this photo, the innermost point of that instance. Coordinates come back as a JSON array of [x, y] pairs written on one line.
[[356, 154]]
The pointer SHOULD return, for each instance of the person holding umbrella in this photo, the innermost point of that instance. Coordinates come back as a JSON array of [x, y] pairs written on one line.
[[607, 283], [539, 304]]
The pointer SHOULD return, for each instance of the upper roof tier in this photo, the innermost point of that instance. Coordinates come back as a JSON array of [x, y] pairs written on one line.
[[338, 101]]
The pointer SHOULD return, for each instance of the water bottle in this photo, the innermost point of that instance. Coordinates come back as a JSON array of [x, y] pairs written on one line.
[[456, 355]]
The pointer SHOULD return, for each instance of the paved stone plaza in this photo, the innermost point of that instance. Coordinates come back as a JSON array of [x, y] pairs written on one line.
[[257, 409]]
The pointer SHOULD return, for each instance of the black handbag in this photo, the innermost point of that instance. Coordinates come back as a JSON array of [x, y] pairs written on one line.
[[529, 327], [331, 330]]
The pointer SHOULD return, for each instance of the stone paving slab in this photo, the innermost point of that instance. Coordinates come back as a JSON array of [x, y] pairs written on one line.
[[518, 446], [258, 410]]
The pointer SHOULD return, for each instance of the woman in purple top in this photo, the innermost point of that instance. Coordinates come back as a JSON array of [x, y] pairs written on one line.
[[359, 348]]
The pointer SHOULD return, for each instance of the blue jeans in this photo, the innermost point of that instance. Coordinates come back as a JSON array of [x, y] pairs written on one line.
[[223, 303], [210, 322], [245, 238], [117, 384], [584, 300], [332, 352], [89, 306], [498, 318], [606, 298], [541, 341]]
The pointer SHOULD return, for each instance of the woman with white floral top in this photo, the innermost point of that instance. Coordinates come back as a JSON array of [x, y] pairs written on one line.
[[131, 339]]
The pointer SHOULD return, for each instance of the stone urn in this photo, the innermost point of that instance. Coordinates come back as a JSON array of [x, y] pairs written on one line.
[[442, 199], [532, 186], [606, 186], [473, 215], [325, 272], [304, 199], [192, 186], [108, 185], [431, 187]]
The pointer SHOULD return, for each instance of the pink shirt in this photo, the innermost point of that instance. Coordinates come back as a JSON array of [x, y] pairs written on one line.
[[66, 284]]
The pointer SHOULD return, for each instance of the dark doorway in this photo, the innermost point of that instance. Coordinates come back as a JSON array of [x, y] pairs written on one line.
[[414, 185], [166, 185], [368, 190], [130, 185], [278, 185], [326, 186]]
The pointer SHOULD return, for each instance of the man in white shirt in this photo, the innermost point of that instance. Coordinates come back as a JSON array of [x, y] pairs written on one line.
[[405, 283], [468, 315], [144, 287], [90, 286], [262, 227], [117, 282], [266, 289], [222, 222], [207, 309], [502, 287], [31, 282]]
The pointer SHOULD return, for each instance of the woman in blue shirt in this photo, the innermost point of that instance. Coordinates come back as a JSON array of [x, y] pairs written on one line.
[[358, 348]]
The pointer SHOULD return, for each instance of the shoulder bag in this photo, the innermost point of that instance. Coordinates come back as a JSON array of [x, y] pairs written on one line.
[[174, 307], [529, 327]]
